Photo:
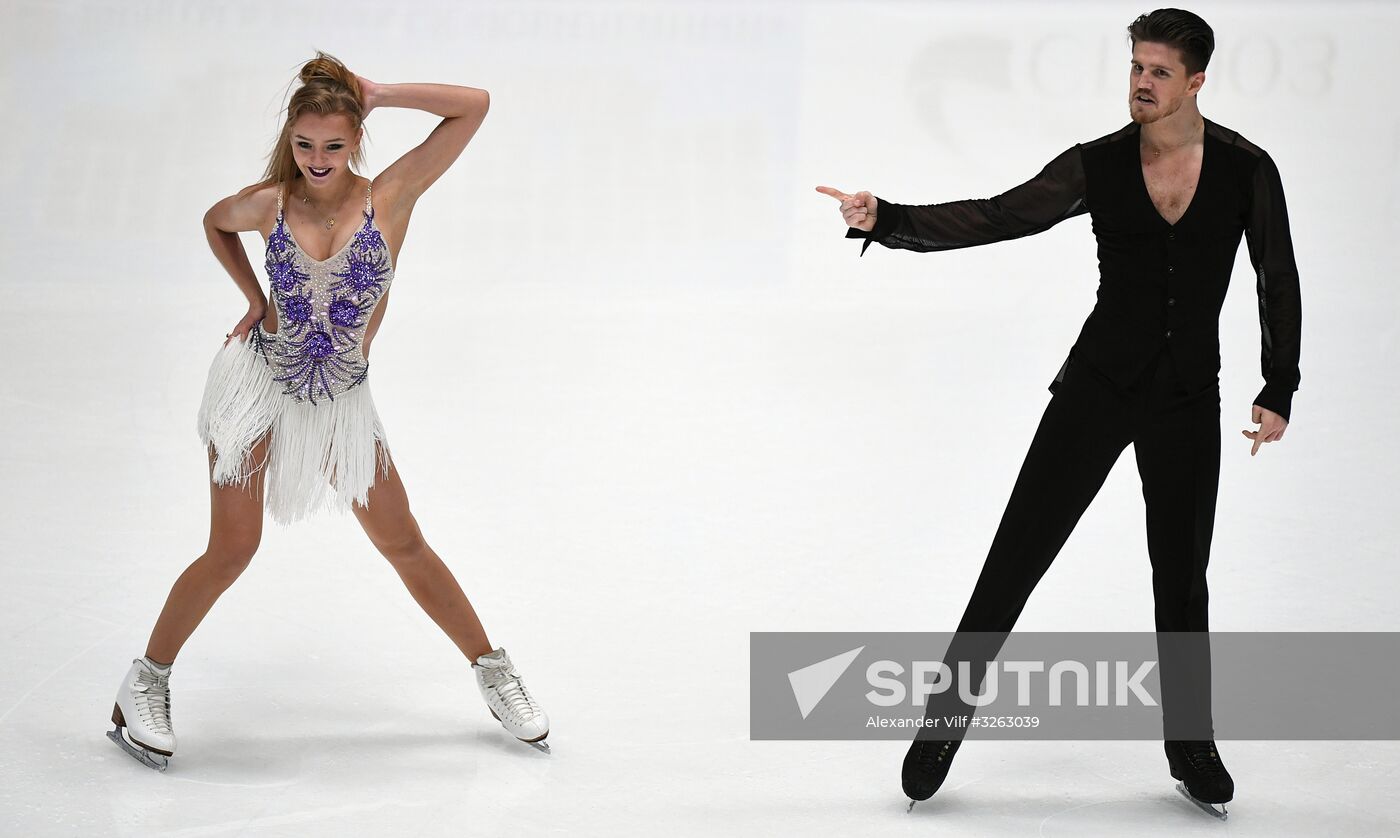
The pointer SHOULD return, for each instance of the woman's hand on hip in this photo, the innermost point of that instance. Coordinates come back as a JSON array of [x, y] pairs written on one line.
[[254, 316]]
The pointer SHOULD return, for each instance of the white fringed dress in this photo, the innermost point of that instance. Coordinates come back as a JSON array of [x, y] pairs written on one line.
[[307, 383]]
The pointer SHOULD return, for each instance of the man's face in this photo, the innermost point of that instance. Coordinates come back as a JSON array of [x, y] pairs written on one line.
[[1157, 82]]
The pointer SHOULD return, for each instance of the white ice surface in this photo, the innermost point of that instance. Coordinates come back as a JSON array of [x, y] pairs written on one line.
[[645, 401]]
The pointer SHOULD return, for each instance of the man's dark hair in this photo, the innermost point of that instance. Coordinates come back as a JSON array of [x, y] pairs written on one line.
[[1177, 28]]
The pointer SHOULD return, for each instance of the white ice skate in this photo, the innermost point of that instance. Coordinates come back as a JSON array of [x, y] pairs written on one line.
[[142, 716], [509, 701]]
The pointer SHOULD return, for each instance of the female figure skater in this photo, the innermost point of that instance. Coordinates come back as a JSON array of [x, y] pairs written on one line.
[[287, 413]]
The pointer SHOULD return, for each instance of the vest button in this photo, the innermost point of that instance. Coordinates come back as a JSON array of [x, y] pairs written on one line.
[[1169, 333], [1171, 235], [1171, 301], [1169, 269]]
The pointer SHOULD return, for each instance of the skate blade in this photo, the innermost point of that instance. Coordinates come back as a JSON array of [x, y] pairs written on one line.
[[157, 761], [911, 806], [1222, 813], [538, 744]]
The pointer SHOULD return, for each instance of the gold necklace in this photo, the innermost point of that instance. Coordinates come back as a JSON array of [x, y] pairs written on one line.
[[1182, 145], [330, 222]]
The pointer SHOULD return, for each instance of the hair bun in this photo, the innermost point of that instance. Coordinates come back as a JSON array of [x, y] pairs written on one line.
[[327, 69]]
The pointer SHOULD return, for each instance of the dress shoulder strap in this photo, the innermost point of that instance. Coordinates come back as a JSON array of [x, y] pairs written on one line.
[[279, 198], [369, 208]]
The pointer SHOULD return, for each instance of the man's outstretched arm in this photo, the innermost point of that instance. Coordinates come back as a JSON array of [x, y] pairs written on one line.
[[1053, 195]]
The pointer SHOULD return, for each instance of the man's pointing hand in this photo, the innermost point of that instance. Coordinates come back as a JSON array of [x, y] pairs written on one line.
[[857, 209]]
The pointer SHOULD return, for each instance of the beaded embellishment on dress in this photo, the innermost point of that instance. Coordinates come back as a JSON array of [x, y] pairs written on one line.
[[306, 384], [323, 308]]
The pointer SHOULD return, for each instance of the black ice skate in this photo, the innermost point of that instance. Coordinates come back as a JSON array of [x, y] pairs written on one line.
[[1204, 780], [925, 766]]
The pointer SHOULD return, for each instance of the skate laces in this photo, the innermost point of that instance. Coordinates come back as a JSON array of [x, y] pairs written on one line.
[[1203, 757], [931, 753], [506, 683], [152, 695]]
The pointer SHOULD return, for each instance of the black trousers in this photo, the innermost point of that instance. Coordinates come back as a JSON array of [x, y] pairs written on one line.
[[1088, 423]]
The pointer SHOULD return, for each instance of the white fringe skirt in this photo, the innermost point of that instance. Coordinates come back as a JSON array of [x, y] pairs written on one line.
[[321, 456]]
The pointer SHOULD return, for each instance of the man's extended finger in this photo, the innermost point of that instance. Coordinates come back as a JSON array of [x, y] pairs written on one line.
[[835, 193]]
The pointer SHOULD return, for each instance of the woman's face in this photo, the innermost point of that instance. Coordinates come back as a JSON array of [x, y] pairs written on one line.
[[321, 146]]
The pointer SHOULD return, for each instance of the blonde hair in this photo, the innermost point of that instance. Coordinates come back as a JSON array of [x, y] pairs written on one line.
[[328, 87]]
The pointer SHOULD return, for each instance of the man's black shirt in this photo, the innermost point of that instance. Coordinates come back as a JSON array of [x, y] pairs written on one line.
[[1159, 284]]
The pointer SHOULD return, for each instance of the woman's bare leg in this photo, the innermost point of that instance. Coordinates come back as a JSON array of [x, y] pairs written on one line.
[[235, 529], [394, 532]]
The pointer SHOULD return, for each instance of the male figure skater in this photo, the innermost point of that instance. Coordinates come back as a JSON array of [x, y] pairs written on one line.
[[1170, 195]]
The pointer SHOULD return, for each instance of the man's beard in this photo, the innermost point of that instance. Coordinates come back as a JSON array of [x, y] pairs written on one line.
[[1147, 115], [1142, 118]]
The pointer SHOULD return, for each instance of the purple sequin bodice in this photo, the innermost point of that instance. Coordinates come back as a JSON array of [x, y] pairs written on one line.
[[323, 309]]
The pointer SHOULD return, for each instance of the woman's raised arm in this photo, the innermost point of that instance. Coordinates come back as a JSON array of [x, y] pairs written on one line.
[[463, 109]]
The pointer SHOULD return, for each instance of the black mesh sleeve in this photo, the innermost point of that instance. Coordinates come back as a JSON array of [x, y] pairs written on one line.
[[1038, 204], [1280, 308]]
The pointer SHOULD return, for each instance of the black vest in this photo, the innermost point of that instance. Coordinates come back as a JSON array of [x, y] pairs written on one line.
[[1160, 285]]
